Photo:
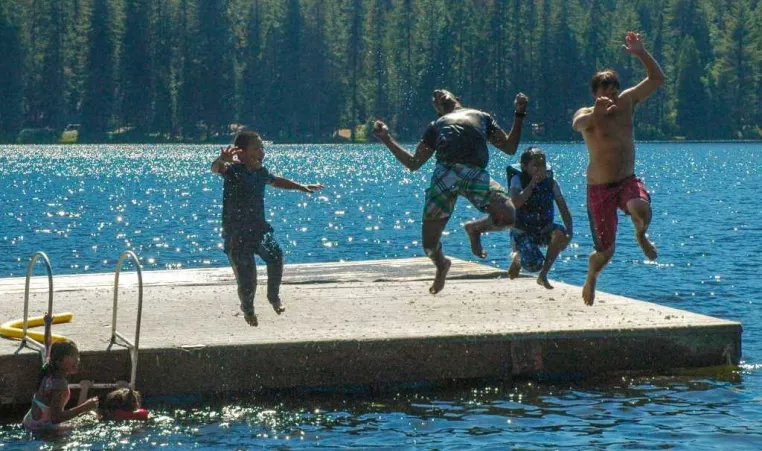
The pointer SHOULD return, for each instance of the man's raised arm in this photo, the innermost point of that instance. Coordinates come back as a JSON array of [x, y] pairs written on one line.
[[411, 161], [509, 143], [654, 75]]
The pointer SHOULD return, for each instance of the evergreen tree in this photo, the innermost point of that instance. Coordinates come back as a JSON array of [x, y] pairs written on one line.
[[216, 69], [252, 84], [136, 74], [690, 92], [301, 69], [323, 50], [98, 95], [162, 67], [189, 99], [284, 73], [51, 90], [355, 47], [595, 38], [737, 70], [568, 88], [499, 54], [404, 47], [379, 61], [75, 20], [11, 77]]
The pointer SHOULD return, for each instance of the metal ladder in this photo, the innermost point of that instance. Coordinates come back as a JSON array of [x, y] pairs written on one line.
[[27, 341], [117, 338]]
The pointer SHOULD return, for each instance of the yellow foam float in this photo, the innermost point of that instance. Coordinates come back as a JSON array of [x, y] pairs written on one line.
[[15, 328]]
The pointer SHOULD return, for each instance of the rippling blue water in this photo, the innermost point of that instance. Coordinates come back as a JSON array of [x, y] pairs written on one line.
[[83, 205]]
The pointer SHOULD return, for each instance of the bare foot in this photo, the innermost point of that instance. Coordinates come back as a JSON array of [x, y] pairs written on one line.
[[648, 247], [439, 280], [515, 268], [476, 241], [278, 306], [542, 279], [588, 291], [251, 319]]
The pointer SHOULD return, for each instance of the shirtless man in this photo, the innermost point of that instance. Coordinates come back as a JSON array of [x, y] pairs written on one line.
[[459, 139], [608, 132]]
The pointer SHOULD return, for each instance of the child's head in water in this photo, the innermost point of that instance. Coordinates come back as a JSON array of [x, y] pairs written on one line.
[[123, 404]]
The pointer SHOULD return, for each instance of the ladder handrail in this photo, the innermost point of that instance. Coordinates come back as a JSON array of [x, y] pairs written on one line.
[[133, 347], [26, 340]]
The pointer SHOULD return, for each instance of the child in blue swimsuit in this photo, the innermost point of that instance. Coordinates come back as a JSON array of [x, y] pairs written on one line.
[[533, 191]]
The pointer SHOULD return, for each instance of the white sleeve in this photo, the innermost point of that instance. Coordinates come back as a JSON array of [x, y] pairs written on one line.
[[516, 182]]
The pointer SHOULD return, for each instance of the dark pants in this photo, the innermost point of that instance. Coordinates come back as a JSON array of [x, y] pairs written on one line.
[[241, 253]]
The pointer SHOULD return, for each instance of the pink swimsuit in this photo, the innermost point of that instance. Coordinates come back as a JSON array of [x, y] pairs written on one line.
[[44, 422]]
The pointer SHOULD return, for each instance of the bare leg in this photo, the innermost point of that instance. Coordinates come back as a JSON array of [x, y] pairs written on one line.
[[597, 262], [515, 267], [432, 234], [640, 212], [557, 243], [474, 229], [501, 216]]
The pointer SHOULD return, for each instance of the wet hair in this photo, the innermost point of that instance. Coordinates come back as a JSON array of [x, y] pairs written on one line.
[[124, 399], [530, 154], [450, 103], [246, 138], [58, 351], [604, 79]]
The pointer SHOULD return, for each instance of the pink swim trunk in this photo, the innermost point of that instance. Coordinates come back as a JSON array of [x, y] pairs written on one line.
[[602, 202]]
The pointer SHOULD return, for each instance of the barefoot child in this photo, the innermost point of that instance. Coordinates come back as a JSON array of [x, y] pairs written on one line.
[[48, 409], [533, 191], [244, 227], [607, 128], [459, 140]]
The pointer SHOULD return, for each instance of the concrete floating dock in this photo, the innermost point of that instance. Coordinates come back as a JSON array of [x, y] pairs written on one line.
[[370, 322]]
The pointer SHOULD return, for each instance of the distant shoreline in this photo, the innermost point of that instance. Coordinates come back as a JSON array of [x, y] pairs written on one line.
[[156, 143]]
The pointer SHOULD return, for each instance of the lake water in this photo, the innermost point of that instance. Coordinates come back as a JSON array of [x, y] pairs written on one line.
[[83, 205]]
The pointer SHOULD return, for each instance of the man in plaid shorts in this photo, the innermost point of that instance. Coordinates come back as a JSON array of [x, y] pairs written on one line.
[[607, 128], [459, 139]]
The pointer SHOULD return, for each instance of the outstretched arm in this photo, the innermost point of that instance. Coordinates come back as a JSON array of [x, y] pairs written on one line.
[[284, 183], [411, 161], [509, 143], [58, 411], [654, 74]]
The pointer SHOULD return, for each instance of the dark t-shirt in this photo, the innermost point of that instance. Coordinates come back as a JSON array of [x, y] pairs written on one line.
[[461, 137], [243, 202]]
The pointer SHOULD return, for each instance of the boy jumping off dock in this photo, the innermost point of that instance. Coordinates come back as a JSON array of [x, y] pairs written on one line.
[[459, 140], [244, 228], [607, 128], [533, 191]]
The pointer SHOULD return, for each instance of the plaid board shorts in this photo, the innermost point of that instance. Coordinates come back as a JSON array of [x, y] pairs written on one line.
[[528, 245], [452, 180]]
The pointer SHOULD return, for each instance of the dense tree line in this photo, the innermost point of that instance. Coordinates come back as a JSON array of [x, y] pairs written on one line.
[[299, 70]]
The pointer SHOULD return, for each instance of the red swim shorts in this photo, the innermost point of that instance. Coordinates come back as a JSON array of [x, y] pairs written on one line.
[[602, 202]]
